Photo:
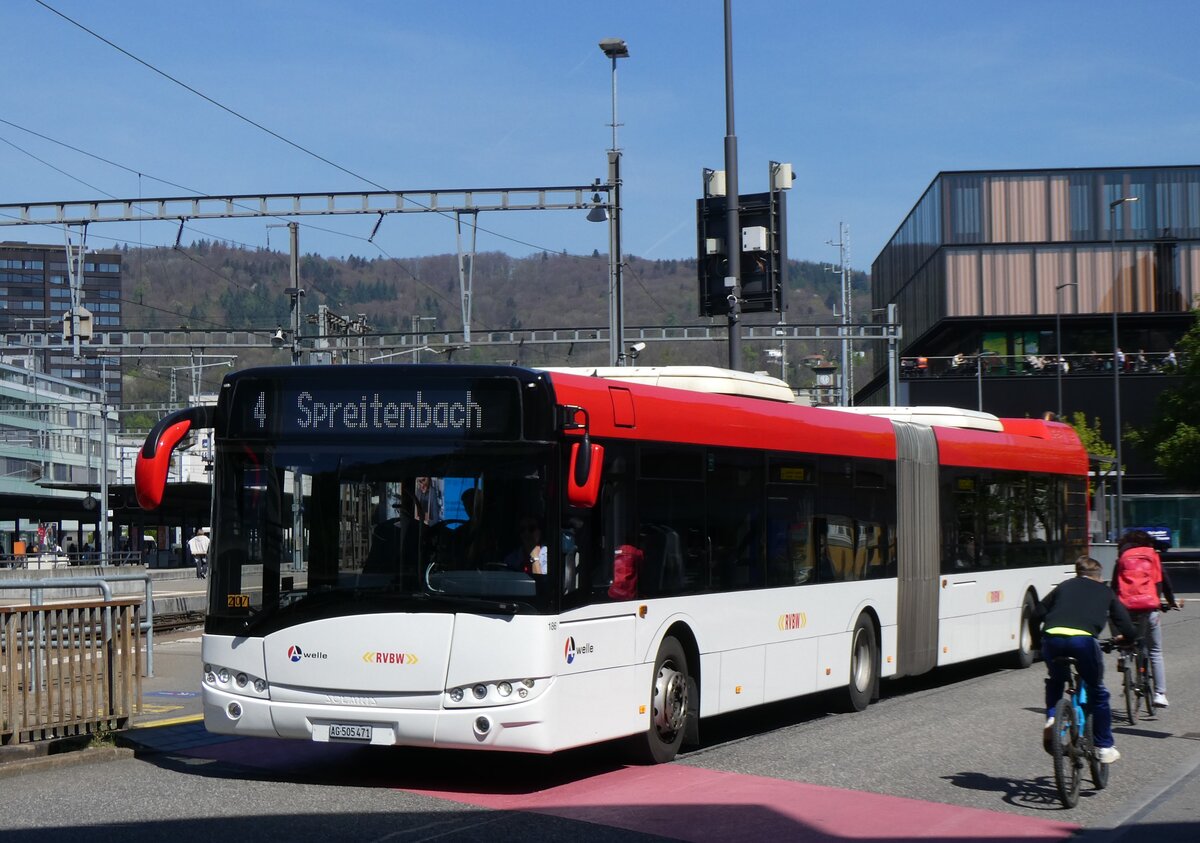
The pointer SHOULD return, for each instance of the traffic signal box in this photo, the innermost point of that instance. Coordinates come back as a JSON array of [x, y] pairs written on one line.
[[764, 253]]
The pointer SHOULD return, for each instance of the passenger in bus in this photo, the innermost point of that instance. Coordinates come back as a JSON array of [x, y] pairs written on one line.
[[825, 570], [429, 499], [964, 554], [627, 566], [530, 553]]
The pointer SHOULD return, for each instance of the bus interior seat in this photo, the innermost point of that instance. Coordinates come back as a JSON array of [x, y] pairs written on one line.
[[662, 570]]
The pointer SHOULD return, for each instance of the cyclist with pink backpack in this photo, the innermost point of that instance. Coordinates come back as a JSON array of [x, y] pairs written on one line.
[[1141, 586]]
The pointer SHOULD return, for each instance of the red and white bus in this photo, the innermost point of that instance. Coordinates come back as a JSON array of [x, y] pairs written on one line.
[[503, 558]]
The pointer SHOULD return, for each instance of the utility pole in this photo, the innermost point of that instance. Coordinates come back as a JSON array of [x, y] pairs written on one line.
[[297, 481], [466, 267], [103, 544], [75, 278], [847, 374], [733, 226], [294, 291]]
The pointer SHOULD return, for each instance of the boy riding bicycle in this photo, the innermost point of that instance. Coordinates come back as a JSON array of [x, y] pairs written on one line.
[[1073, 614]]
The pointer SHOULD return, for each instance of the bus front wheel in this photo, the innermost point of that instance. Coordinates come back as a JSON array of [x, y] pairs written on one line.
[[670, 692], [864, 664]]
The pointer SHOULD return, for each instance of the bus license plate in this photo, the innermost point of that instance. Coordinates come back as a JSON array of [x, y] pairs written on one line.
[[349, 732]]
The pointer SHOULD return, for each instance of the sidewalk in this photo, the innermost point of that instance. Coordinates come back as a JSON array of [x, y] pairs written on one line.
[[1169, 816]]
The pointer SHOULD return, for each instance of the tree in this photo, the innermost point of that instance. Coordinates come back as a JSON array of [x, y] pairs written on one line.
[[1089, 434], [1172, 440]]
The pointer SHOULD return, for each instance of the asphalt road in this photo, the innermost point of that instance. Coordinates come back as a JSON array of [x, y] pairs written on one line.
[[967, 736]]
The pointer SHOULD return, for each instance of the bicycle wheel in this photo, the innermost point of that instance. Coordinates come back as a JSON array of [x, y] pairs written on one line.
[[1147, 685], [1129, 682], [1098, 768], [1064, 747]]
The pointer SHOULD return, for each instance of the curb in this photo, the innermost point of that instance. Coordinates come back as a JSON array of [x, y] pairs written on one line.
[[86, 755]]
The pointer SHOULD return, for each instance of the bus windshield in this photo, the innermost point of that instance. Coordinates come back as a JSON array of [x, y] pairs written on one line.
[[331, 528]]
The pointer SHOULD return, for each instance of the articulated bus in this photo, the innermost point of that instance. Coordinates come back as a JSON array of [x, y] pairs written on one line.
[[504, 558]]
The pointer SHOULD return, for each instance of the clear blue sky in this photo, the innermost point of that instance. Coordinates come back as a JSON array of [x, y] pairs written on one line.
[[867, 100]]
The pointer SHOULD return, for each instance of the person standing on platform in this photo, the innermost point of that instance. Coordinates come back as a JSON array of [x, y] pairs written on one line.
[[198, 547]]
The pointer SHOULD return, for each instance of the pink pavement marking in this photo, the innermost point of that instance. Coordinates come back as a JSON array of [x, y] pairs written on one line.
[[694, 804]]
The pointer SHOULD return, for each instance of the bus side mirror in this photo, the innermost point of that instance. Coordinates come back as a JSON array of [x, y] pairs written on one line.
[[583, 480], [154, 457]]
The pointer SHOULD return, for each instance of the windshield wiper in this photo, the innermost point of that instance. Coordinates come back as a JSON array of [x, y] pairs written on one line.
[[289, 603], [503, 607]]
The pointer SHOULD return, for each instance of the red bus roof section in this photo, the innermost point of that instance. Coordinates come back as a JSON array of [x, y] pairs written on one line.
[[626, 410]]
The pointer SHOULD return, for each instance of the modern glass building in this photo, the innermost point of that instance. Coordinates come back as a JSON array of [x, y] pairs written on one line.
[[35, 293], [50, 439], [1006, 283]]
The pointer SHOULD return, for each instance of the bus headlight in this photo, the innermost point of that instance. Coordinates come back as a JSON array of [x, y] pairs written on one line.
[[498, 692], [235, 682]]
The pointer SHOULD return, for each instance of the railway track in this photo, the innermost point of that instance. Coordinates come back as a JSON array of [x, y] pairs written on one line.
[[178, 620]]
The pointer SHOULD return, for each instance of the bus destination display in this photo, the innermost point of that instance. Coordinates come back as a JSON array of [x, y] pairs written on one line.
[[471, 410]]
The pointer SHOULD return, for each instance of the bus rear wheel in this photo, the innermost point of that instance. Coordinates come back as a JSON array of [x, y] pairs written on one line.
[[864, 664], [670, 706]]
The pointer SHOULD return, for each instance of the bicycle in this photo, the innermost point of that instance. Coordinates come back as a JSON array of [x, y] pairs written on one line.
[[1134, 664], [1137, 679], [1072, 742]]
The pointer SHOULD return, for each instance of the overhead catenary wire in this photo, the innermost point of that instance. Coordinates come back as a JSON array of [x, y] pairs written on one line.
[[474, 224], [436, 292]]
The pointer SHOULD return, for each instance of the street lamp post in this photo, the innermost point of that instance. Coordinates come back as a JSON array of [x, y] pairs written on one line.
[[1112, 234], [1058, 338], [615, 49], [979, 379], [782, 334]]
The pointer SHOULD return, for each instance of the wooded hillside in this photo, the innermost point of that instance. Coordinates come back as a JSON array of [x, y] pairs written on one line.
[[211, 285]]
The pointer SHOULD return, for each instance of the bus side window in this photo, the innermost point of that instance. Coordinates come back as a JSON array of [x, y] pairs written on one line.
[[790, 551], [613, 528]]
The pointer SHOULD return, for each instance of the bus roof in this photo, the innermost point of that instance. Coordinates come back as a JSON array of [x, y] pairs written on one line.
[[933, 416], [709, 379]]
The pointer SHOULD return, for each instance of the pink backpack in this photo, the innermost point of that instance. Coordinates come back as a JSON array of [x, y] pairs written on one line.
[[1137, 579]]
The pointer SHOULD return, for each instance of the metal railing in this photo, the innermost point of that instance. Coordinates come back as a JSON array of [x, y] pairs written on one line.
[[38, 587], [988, 364], [69, 668], [40, 561]]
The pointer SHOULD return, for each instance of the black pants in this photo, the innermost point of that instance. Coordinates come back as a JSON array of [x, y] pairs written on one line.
[[201, 565]]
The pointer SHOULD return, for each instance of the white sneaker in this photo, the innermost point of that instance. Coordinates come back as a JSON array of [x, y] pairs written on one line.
[[1160, 700], [1107, 754]]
